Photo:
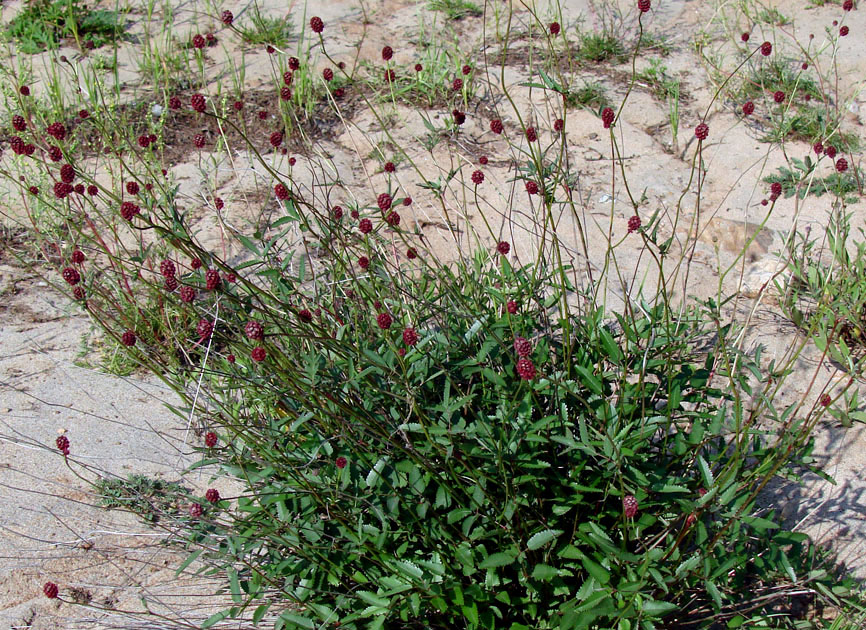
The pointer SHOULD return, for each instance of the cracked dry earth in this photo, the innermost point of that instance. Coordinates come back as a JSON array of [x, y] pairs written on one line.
[[49, 525]]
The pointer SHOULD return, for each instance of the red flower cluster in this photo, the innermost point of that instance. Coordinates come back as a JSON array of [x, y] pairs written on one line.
[[607, 117], [410, 337], [629, 506], [254, 330], [212, 279]]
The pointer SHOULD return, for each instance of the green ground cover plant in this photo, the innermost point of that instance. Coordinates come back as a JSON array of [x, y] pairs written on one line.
[[44, 23], [475, 437]]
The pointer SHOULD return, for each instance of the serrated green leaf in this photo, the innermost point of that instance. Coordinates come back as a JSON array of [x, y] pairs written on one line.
[[713, 591], [215, 618], [260, 612], [706, 473], [189, 560], [541, 538], [544, 572], [596, 570], [655, 608], [373, 599], [249, 244], [409, 568], [592, 382], [500, 559]]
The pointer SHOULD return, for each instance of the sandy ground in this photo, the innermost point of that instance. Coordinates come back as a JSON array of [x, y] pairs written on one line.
[[49, 527]]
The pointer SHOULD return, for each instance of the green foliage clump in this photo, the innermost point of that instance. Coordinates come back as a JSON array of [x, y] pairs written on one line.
[[42, 24]]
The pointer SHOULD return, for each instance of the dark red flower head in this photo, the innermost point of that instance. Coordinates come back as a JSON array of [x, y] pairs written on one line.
[[766, 49], [187, 294], [410, 336], [341, 462], [167, 268], [607, 117], [128, 338], [775, 191], [496, 126], [633, 224], [212, 279], [526, 370], [841, 165], [212, 495], [204, 329], [197, 102], [198, 41], [77, 256], [522, 347], [210, 439], [384, 201], [384, 321], [258, 354], [50, 590], [366, 226], [62, 443], [748, 108], [71, 276], [629, 506], [254, 330], [554, 28], [227, 18], [387, 53], [778, 96], [56, 130], [316, 24], [477, 178], [702, 131], [129, 210], [511, 307], [643, 5]]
